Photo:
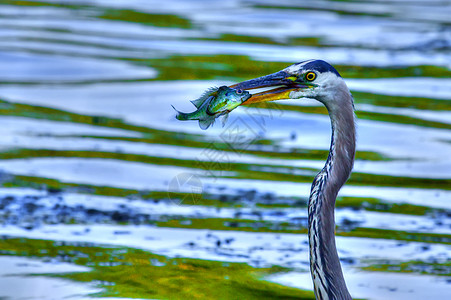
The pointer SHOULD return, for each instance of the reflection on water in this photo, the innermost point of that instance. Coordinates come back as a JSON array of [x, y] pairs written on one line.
[[103, 189]]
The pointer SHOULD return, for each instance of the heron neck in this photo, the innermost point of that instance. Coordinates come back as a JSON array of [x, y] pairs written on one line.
[[324, 261]]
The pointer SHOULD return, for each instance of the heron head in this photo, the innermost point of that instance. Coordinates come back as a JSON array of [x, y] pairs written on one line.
[[309, 79]]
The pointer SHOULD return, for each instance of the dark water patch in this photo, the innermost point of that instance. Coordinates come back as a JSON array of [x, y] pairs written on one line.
[[57, 207], [47, 184], [208, 198], [54, 206], [346, 227], [52, 186], [30, 212], [437, 44]]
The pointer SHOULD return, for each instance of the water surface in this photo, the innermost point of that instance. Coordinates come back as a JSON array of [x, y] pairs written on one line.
[[105, 194]]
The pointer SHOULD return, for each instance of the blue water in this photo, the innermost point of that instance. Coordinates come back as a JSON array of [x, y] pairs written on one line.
[[86, 89]]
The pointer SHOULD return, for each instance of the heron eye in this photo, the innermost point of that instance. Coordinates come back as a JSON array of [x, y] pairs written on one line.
[[239, 91], [310, 76]]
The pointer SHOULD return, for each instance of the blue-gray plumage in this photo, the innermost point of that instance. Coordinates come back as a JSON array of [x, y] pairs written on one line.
[[319, 80]]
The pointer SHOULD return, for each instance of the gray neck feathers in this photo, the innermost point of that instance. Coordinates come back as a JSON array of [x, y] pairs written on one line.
[[325, 265]]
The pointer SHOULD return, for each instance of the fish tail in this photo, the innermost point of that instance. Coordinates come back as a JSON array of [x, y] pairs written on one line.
[[181, 115]]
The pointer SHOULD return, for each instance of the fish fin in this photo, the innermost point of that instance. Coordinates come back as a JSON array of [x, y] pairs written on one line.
[[207, 122], [224, 119], [211, 92], [198, 102]]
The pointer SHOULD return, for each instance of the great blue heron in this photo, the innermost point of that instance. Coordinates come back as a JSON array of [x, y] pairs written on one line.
[[319, 80]]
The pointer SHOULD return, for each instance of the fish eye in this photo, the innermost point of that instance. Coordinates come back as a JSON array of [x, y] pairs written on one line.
[[310, 76], [239, 91]]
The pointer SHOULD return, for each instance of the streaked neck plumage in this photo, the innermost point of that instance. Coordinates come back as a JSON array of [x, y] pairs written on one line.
[[325, 265]]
